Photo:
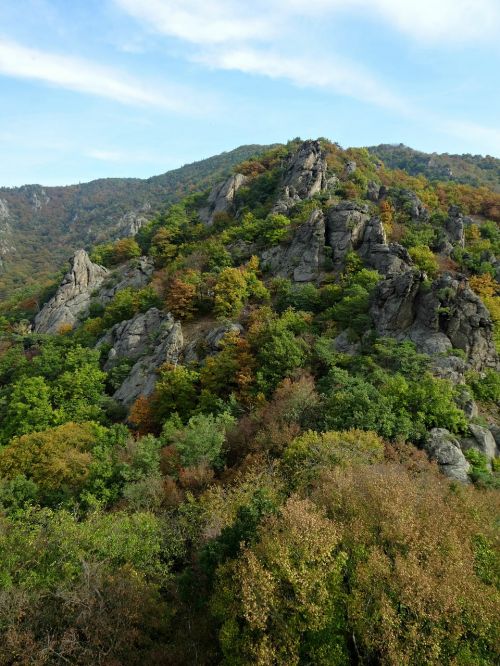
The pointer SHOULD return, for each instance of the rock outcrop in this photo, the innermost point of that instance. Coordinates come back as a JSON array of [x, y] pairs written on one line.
[[448, 315], [134, 337], [444, 448], [409, 203], [72, 299], [135, 274], [130, 223], [166, 348], [303, 258], [481, 439], [305, 175], [221, 198], [453, 233], [350, 228], [208, 344]]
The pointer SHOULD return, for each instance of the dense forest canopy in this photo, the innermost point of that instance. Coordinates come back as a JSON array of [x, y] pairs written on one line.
[[264, 429]]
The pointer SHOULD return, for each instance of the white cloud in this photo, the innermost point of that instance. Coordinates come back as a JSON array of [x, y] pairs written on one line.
[[479, 135], [73, 73], [330, 74], [203, 21], [231, 21]]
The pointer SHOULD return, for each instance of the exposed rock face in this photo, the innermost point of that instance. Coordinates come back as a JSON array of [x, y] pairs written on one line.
[[495, 431], [221, 197], [303, 258], [349, 227], [136, 273], [453, 234], [408, 201], [72, 298], [482, 440], [305, 176], [449, 315], [134, 337], [345, 226], [130, 223], [373, 191], [445, 449], [7, 246], [209, 344], [142, 377]]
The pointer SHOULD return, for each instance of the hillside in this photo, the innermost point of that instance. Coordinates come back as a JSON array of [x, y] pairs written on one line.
[[265, 429], [475, 170], [41, 226]]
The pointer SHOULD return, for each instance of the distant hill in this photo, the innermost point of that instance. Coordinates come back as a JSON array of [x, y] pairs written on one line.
[[41, 226], [474, 170]]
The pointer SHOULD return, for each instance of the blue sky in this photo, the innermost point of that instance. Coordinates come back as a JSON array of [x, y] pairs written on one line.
[[95, 88]]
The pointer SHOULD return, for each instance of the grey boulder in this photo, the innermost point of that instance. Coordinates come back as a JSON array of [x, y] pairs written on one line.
[[72, 299], [444, 448]]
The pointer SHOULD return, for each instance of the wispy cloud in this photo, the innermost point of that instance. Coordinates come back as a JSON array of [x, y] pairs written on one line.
[[234, 21], [333, 74], [81, 75]]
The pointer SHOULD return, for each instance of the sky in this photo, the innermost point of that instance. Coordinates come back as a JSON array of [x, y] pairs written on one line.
[[107, 88]]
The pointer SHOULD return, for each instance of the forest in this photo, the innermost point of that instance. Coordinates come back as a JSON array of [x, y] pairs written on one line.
[[248, 444]]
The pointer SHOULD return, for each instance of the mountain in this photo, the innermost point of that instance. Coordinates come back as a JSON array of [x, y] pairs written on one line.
[[41, 226], [475, 170], [264, 430]]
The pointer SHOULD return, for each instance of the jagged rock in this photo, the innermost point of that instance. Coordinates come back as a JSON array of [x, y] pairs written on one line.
[[350, 167], [448, 315], [449, 367], [444, 448], [130, 223], [495, 431], [221, 197], [72, 299], [345, 227], [453, 233], [408, 201], [344, 345], [305, 176], [209, 344], [482, 440], [142, 377], [135, 274], [466, 402], [134, 337], [303, 258], [373, 191]]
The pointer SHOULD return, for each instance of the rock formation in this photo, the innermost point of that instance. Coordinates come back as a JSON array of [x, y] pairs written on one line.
[[445, 449], [482, 440], [134, 274], [221, 198], [305, 175], [350, 228], [301, 259], [208, 344], [166, 348], [72, 299], [134, 337], [447, 315]]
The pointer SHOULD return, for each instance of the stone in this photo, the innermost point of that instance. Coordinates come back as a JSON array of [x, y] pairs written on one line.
[[209, 344], [373, 191], [482, 440], [447, 316], [350, 167], [72, 299], [142, 377], [305, 175], [302, 258], [408, 202], [134, 337], [221, 198], [450, 367], [495, 431], [130, 223], [134, 274], [444, 448], [345, 226], [344, 345]]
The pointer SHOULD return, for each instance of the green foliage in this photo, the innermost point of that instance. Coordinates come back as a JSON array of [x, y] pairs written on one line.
[[176, 392], [425, 259], [485, 386], [481, 470], [201, 441]]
